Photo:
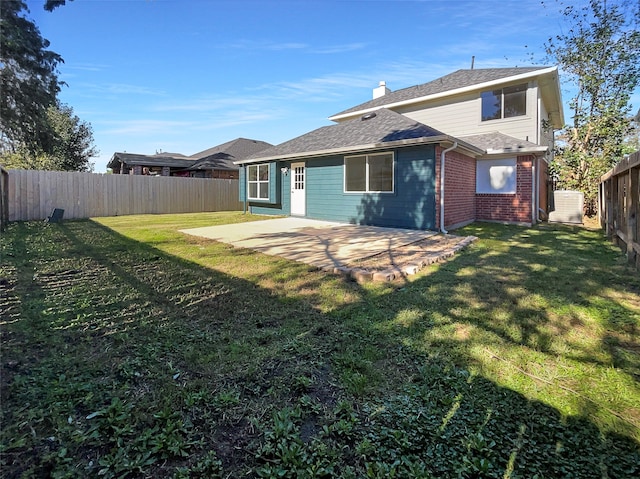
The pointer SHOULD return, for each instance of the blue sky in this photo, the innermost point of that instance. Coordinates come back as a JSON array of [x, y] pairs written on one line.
[[185, 75]]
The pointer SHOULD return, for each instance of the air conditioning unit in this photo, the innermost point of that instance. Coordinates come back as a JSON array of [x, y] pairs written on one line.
[[568, 207]]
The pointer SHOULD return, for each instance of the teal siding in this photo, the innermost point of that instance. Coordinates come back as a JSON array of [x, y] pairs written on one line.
[[278, 204], [274, 184], [242, 183], [411, 205]]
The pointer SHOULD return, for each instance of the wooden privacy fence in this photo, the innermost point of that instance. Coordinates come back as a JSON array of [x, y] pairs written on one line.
[[619, 206], [32, 195]]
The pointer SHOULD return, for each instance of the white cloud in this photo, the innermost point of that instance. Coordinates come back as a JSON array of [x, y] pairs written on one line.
[[92, 90], [89, 67], [266, 45], [208, 103], [269, 45], [140, 127], [126, 89], [347, 47]]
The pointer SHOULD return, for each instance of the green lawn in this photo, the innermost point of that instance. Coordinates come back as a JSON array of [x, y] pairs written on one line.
[[132, 350]]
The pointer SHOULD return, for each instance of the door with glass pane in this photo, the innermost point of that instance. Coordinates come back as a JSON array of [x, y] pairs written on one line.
[[298, 194]]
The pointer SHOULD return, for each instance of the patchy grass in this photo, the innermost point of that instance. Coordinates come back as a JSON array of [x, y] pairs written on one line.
[[132, 350]]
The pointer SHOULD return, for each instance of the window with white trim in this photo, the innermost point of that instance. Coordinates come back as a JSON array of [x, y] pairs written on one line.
[[496, 176], [258, 182], [504, 102], [369, 173]]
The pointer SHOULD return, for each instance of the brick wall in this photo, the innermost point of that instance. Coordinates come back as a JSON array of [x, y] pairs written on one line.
[[514, 208], [459, 188]]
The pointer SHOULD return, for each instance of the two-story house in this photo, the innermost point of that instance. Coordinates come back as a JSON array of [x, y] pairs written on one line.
[[472, 145]]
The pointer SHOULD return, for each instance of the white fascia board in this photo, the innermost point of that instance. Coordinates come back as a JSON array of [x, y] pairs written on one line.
[[457, 91], [506, 153], [373, 146]]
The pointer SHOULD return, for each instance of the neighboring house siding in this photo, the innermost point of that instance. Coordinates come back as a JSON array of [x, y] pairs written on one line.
[[223, 174], [459, 189], [461, 115], [515, 208]]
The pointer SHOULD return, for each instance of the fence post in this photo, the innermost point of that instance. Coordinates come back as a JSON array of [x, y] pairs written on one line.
[[4, 198], [620, 192], [632, 195]]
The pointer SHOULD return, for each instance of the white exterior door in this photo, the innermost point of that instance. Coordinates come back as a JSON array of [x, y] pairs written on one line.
[[298, 194]]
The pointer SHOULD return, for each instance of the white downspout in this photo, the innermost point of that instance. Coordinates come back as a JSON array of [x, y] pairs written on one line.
[[246, 187], [442, 154], [534, 190]]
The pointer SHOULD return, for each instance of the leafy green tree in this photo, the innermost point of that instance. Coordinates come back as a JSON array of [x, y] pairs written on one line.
[[72, 146], [36, 131], [51, 5], [28, 79], [600, 53]]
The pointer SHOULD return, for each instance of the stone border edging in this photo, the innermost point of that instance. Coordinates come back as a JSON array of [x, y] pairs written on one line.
[[361, 275]]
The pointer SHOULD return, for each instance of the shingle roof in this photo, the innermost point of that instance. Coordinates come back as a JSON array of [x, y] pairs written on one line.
[[239, 149], [383, 126], [148, 160], [219, 157], [452, 81], [499, 142]]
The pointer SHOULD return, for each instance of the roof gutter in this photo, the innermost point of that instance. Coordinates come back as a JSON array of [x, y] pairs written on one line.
[[442, 155]]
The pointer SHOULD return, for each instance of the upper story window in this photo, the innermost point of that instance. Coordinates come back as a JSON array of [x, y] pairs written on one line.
[[369, 173], [258, 182], [504, 103]]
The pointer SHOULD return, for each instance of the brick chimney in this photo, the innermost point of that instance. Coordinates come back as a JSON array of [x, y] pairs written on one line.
[[382, 90]]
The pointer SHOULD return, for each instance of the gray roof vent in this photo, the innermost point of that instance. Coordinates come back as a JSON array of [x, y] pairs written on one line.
[[368, 116]]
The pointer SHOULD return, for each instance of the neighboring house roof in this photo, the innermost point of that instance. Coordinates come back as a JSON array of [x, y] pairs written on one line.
[[219, 161], [164, 154], [146, 160], [239, 148], [219, 157], [459, 82], [497, 143], [382, 129]]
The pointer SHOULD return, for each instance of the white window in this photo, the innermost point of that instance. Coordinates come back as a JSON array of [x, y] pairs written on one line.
[[496, 176], [504, 103], [258, 182], [369, 173]]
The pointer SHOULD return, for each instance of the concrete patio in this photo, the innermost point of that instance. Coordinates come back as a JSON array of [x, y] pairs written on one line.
[[339, 247], [323, 244]]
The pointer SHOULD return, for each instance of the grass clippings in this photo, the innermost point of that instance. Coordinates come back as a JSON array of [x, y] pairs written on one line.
[[132, 350]]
